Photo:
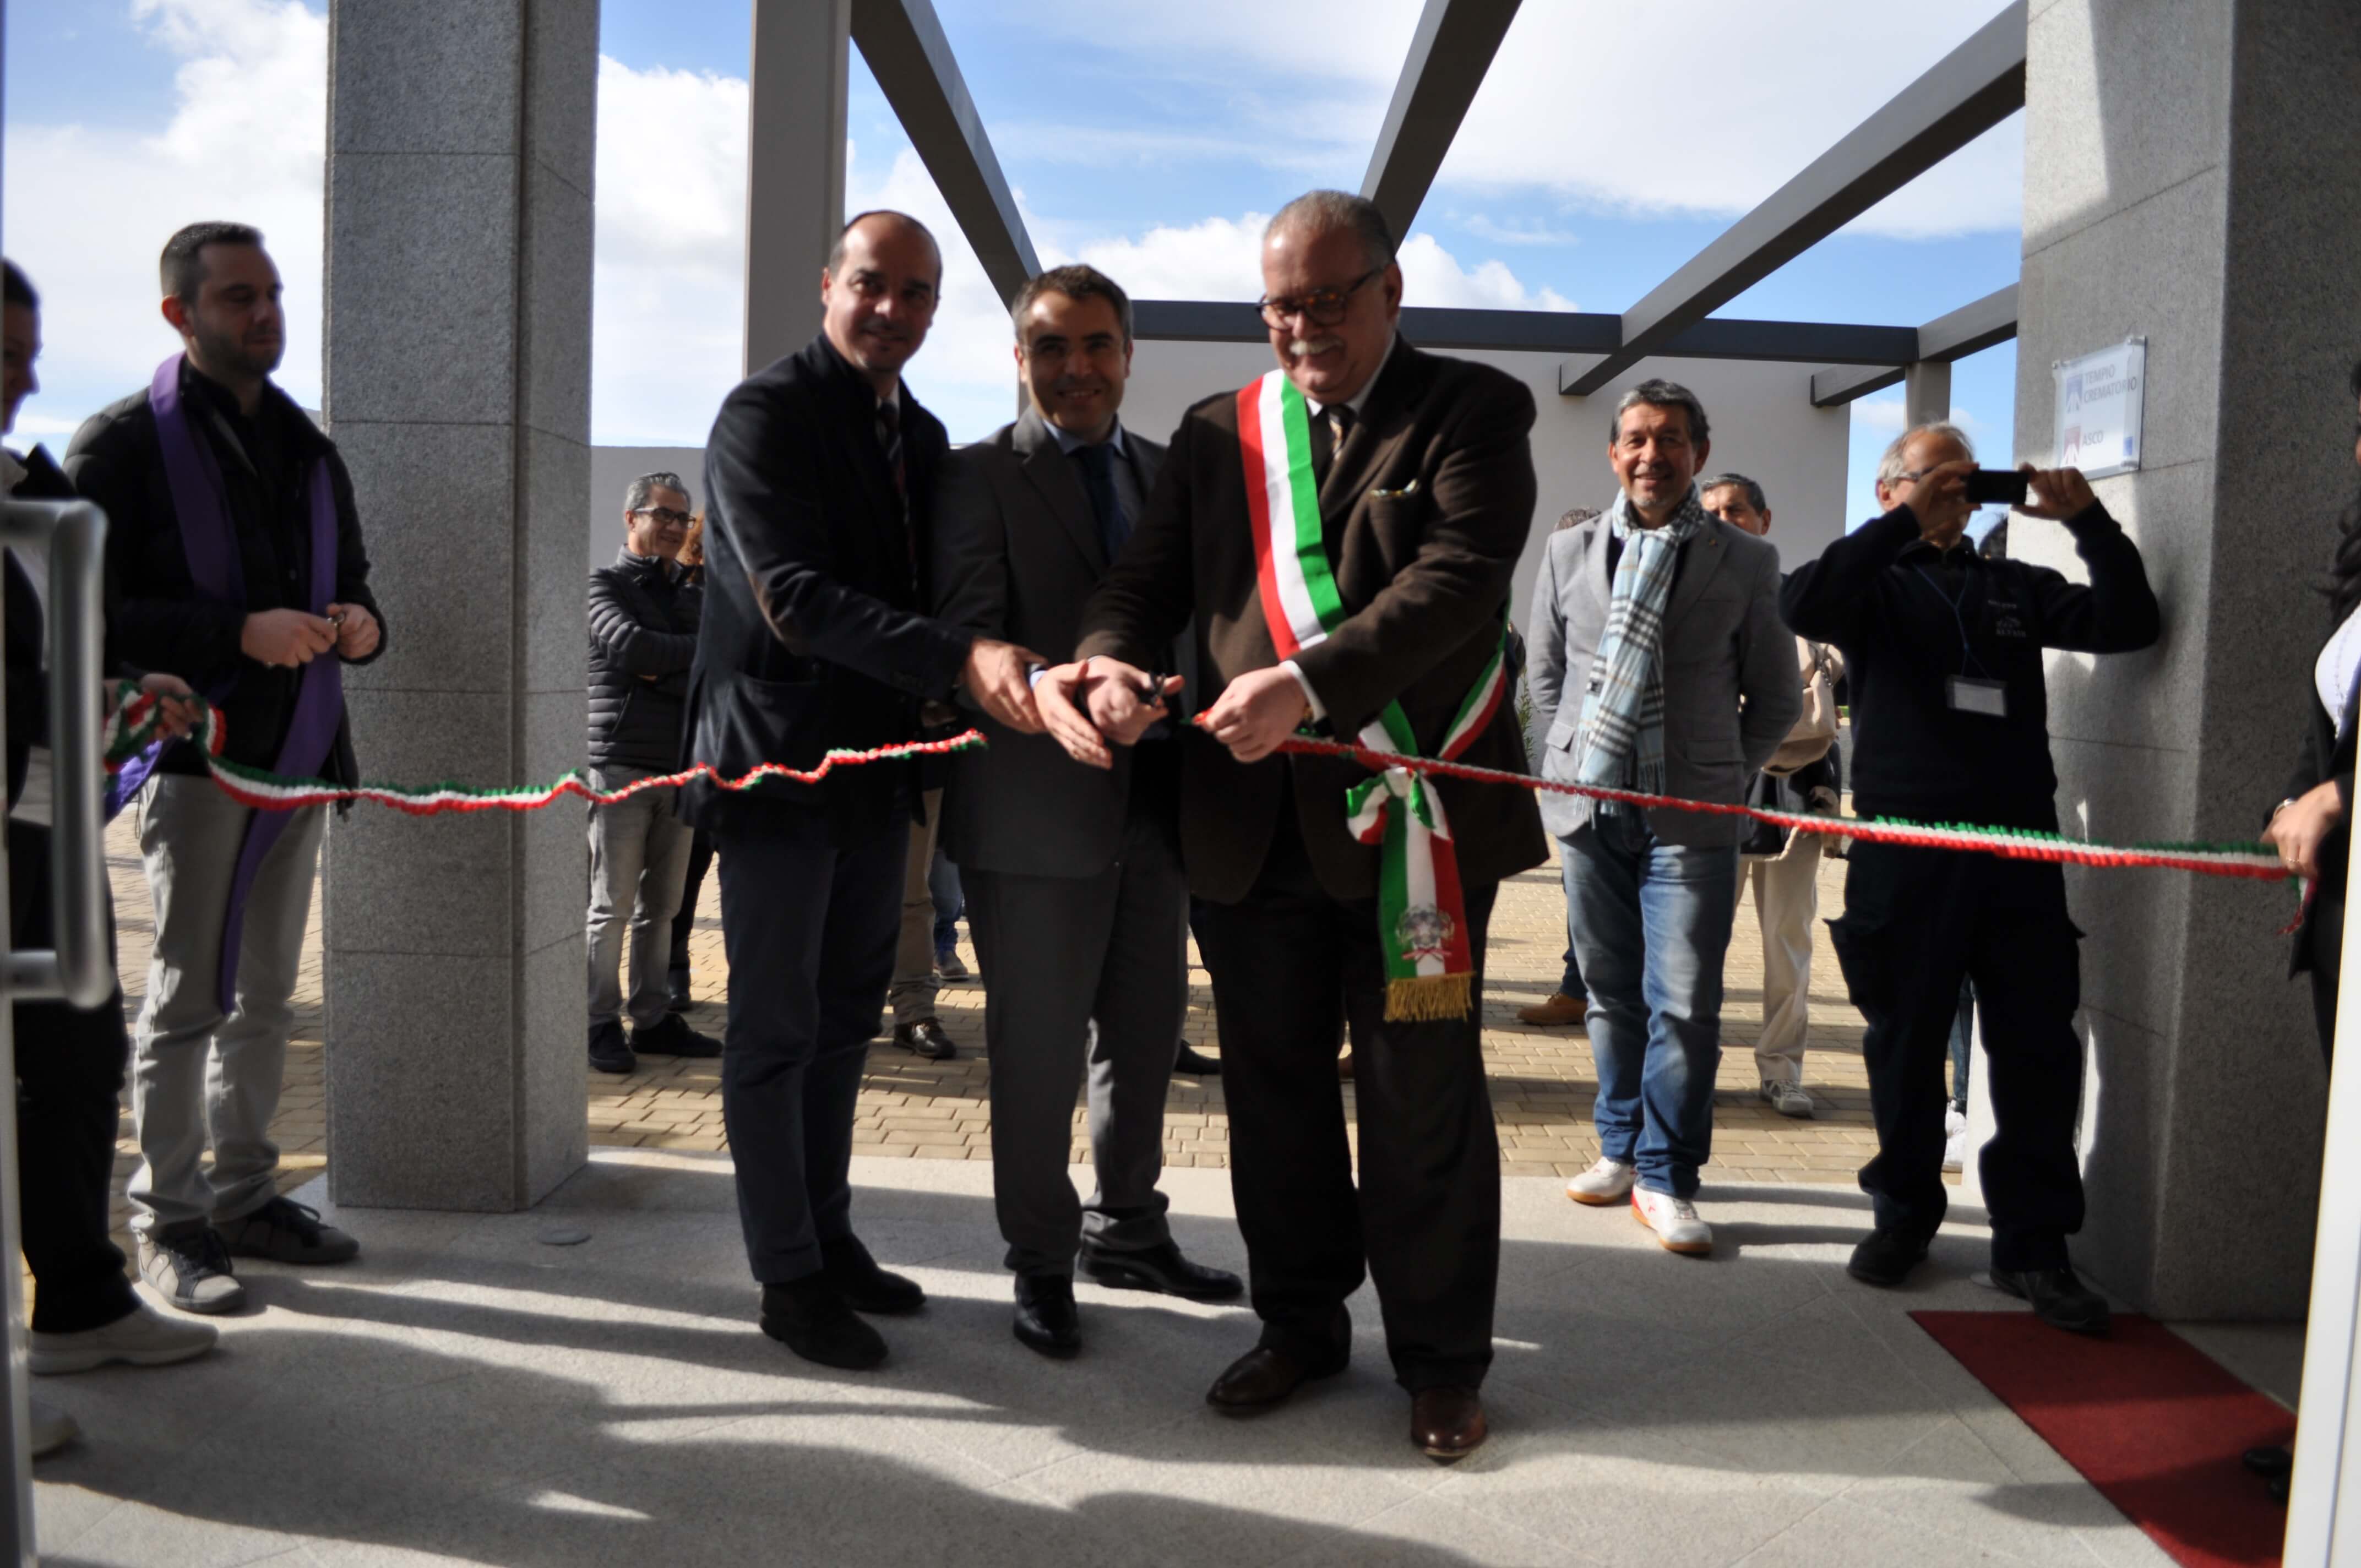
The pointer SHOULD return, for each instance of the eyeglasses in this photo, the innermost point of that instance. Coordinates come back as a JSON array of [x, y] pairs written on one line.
[[1322, 307], [666, 516]]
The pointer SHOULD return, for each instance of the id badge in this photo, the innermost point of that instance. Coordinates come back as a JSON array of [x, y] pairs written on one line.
[[1968, 694]]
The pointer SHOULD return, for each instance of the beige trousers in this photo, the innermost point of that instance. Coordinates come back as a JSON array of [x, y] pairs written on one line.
[[1786, 898]]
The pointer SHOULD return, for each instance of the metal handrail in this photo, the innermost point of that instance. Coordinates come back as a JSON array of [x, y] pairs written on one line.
[[81, 970]]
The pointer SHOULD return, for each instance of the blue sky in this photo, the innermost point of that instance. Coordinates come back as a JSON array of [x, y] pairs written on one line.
[[1143, 136]]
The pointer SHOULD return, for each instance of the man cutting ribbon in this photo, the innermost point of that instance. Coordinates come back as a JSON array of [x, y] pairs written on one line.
[[235, 546], [1342, 534]]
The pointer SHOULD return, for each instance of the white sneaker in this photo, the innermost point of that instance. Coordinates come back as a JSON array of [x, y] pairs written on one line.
[[1675, 1221], [1602, 1184], [1788, 1098], [143, 1337], [1954, 1139], [52, 1428]]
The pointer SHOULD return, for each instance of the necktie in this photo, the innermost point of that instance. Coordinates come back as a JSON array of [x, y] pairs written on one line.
[[889, 433], [1329, 429], [1098, 482]]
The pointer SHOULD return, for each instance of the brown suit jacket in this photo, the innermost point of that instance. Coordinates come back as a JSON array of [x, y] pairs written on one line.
[[1425, 510]]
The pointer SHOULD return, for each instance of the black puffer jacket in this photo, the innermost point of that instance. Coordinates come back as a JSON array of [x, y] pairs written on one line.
[[642, 639]]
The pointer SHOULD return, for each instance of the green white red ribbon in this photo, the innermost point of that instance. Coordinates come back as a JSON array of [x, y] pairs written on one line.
[[1421, 915], [134, 727], [2259, 862]]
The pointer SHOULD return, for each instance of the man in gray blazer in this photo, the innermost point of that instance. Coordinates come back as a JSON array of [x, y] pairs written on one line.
[[1657, 664], [1073, 880]]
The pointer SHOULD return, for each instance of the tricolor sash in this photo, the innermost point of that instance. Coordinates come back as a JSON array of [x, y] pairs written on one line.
[[1422, 916], [209, 538]]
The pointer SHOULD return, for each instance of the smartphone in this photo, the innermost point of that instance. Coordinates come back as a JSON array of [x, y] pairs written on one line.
[[2006, 486]]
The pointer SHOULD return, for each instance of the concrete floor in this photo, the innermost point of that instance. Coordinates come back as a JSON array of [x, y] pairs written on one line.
[[471, 1392]]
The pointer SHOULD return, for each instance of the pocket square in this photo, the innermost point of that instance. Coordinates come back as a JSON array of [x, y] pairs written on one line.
[[1379, 493]]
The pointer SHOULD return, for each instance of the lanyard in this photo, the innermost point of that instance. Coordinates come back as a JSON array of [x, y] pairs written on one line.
[[1967, 653]]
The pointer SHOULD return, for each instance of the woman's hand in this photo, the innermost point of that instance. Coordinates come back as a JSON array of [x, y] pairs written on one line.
[[2299, 826]]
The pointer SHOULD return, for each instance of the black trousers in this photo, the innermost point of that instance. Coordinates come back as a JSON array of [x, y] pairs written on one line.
[[1292, 967], [1060, 953], [2325, 940], [1915, 921], [701, 861], [809, 928], [69, 1074]]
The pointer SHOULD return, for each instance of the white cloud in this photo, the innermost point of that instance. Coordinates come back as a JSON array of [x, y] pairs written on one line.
[[89, 207], [1594, 102], [1884, 415], [1515, 231]]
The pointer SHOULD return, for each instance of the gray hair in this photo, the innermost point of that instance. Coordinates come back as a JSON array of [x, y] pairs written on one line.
[[1576, 517], [1754, 496], [1889, 466], [1079, 281], [636, 494], [1317, 211], [1662, 394]]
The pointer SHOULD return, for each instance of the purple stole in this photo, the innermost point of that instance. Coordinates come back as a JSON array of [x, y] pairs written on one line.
[[209, 538]]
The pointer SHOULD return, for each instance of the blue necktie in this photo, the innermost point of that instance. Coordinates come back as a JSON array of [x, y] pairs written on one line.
[[1098, 483]]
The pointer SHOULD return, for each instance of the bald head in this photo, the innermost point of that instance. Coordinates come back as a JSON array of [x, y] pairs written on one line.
[[879, 293], [1330, 292]]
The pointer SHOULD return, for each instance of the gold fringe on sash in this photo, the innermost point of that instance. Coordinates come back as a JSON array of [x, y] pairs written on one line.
[[1424, 998]]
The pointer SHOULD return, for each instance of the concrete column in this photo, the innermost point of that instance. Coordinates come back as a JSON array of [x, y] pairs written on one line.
[[2193, 173], [1926, 393], [798, 70], [457, 384]]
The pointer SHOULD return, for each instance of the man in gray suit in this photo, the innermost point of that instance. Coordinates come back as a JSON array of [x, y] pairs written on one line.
[[1657, 664], [1073, 880]]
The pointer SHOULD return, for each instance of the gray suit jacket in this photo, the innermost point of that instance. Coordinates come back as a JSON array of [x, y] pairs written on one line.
[[1730, 692], [1017, 552]]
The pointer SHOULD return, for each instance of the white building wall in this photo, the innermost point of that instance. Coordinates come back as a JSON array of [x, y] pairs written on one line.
[[1763, 425]]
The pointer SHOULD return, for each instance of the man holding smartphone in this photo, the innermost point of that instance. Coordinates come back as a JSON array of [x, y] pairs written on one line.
[[1943, 649]]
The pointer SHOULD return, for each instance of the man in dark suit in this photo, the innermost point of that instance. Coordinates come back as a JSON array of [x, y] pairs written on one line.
[[1072, 875], [1392, 491], [813, 639]]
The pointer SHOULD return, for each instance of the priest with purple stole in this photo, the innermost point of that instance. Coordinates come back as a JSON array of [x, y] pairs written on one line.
[[1341, 532], [234, 557]]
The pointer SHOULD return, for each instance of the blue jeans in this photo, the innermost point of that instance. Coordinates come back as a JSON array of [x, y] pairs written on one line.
[[1651, 925], [1570, 983]]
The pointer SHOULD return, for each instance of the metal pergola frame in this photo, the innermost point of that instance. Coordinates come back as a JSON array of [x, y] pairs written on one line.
[[1964, 94]]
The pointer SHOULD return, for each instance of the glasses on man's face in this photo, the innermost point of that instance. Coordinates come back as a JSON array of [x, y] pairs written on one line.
[[1322, 307], [664, 516]]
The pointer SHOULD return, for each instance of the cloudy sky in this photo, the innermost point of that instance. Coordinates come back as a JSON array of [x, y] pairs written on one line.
[[1609, 144]]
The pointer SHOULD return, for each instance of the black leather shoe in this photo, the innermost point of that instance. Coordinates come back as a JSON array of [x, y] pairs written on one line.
[[1263, 1379], [1447, 1424], [1161, 1269], [1046, 1317], [676, 996], [1886, 1258], [610, 1052], [2268, 1461], [810, 1318], [854, 1275], [924, 1038], [1193, 1063], [2057, 1297], [674, 1037]]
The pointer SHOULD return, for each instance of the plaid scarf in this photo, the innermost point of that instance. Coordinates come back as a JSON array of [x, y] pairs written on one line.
[[1623, 714]]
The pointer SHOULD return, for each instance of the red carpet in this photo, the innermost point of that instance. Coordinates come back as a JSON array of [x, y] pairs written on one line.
[[2145, 1417]]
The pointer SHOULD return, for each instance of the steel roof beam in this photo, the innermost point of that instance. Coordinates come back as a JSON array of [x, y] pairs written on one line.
[[1967, 93], [1449, 55], [904, 43]]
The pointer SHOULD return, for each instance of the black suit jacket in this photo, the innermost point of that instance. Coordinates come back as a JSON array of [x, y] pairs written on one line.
[[1425, 510], [813, 636], [1016, 552]]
